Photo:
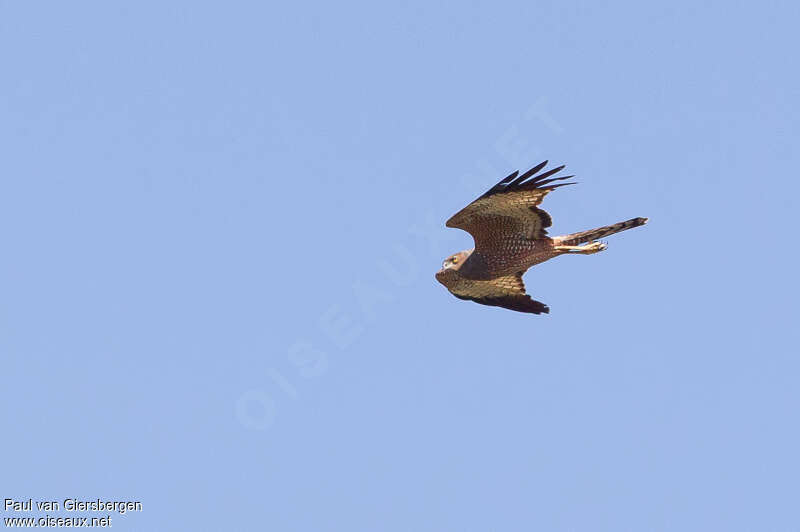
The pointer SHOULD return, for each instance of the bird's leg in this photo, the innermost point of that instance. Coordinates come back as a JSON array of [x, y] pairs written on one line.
[[585, 249]]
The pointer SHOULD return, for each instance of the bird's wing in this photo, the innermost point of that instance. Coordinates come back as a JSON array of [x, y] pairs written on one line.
[[510, 208], [507, 291]]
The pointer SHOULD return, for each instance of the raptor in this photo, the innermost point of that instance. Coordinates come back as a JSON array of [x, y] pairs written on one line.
[[510, 234]]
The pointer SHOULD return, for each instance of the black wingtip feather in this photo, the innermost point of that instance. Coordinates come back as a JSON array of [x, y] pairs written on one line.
[[540, 184], [510, 176], [529, 180], [553, 187], [539, 178], [502, 184], [522, 303], [532, 171]]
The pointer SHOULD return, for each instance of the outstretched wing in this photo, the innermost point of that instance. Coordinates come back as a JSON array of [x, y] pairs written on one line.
[[507, 291], [510, 208]]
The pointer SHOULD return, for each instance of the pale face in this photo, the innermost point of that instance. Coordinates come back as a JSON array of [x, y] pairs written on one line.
[[455, 261]]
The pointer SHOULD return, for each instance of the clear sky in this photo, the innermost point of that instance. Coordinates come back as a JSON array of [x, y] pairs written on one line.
[[221, 221]]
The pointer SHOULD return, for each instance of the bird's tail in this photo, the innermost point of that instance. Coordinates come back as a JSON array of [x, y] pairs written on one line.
[[601, 232]]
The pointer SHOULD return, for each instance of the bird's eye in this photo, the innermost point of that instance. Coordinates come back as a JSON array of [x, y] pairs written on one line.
[[454, 260]]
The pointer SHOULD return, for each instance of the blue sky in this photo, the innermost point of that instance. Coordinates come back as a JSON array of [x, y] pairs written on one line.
[[221, 223]]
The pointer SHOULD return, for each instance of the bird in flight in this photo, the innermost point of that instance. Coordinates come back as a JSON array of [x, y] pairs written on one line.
[[510, 233]]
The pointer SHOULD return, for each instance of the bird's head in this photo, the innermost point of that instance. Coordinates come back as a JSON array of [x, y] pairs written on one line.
[[454, 262]]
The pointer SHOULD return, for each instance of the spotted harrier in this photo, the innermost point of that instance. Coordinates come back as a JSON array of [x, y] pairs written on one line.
[[510, 233]]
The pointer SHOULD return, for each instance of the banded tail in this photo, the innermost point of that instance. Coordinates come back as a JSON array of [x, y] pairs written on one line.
[[601, 232]]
